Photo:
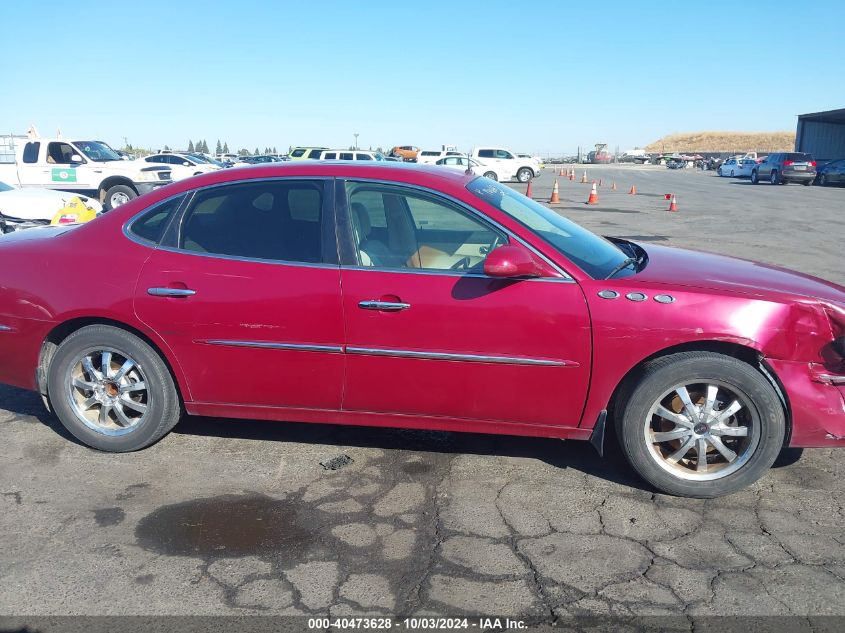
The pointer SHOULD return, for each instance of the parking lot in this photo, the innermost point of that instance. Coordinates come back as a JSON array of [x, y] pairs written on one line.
[[240, 517]]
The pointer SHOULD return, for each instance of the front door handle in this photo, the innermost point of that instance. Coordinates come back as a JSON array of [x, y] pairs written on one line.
[[384, 306], [171, 292]]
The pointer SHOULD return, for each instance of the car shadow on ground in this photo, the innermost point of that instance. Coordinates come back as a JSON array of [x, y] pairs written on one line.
[[578, 455]]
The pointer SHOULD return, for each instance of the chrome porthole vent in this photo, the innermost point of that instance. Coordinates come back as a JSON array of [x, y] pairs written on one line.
[[608, 294], [636, 296], [664, 298]]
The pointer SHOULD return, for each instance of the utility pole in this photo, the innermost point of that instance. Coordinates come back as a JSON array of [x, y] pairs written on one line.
[[356, 139]]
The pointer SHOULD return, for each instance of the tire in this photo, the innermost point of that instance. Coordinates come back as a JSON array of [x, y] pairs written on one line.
[[491, 175], [755, 177], [774, 178], [732, 173], [524, 174], [761, 415], [823, 180], [117, 195], [152, 411]]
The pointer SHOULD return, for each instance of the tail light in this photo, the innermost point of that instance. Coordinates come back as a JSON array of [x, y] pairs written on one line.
[[812, 163], [786, 163]]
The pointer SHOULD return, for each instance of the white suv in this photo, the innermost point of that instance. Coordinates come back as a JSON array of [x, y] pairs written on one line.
[[430, 156], [350, 154], [524, 169]]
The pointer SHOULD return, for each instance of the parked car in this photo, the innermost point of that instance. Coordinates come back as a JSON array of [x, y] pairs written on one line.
[[303, 153], [408, 153], [299, 273], [523, 170], [260, 160], [537, 159], [781, 168], [460, 163], [32, 207], [832, 173], [737, 167], [181, 165], [357, 154], [88, 168], [431, 156]]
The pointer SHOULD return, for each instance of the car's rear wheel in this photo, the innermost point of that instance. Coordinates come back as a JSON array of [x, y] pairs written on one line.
[[700, 424], [524, 174], [775, 178], [755, 177], [111, 390], [491, 175], [823, 180]]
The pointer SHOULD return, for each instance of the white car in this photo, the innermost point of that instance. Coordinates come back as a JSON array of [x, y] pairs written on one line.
[[350, 154], [431, 156], [737, 167], [460, 163], [181, 165], [31, 207], [524, 169]]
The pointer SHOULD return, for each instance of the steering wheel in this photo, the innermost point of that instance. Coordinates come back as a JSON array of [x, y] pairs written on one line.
[[462, 264]]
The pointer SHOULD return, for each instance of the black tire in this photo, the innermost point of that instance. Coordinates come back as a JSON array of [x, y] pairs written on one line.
[[775, 178], [755, 177], [117, 195], [732, 173], [163, 405], [491, 175], [823, 180], [524, 174], [658, 378]]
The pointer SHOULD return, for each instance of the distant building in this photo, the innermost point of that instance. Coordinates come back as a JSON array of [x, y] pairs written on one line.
[[822, 134]]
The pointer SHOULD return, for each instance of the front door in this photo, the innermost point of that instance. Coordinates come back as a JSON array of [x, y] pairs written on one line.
[[429, 334], [246, 294]]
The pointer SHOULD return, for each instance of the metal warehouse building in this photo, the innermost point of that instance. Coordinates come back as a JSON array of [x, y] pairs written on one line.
[[822, 134]]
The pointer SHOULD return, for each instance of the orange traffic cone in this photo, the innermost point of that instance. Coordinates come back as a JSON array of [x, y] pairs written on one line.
[[594, 196], [673, 206], [633, 191], [560, 173], [584, 177], [555, 195], [613, 186], [528, 190]]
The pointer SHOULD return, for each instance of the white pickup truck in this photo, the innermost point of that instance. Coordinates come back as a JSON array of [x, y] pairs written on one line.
[[523, 169], [89, 168]]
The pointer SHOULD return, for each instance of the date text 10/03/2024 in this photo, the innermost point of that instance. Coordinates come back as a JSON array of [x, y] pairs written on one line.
[[412, 624]]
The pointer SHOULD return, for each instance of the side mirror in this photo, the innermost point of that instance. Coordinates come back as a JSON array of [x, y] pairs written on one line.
[[186, 164], [511, 260], [76, 158]]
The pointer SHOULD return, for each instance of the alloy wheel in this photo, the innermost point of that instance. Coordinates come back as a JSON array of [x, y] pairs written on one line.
[[108, 391], [701, 431]]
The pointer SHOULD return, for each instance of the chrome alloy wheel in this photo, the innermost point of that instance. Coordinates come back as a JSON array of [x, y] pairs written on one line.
[[701, 431], [108, 391], [118, 198]]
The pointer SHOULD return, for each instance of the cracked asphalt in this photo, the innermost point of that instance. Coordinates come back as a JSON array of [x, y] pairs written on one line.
[[233, 517]]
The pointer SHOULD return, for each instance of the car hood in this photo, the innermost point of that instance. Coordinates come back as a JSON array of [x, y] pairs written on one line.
[[682, 267]]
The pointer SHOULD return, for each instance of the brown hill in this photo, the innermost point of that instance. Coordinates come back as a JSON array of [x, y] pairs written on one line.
[[725, 142]]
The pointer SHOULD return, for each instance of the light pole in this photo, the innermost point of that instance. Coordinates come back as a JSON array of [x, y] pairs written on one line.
[[355, 134]]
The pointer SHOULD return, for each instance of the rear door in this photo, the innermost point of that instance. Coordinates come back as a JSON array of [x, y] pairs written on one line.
[[245, 290], [429, 334]]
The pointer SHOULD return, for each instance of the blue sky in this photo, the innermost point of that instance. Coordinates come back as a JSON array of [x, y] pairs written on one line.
[[543, 76]]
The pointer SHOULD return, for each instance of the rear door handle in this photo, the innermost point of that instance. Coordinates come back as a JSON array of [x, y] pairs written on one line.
[[171, 292], [384, 306]]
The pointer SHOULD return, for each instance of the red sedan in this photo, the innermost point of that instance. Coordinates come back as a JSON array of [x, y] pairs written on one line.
[[412, 297]]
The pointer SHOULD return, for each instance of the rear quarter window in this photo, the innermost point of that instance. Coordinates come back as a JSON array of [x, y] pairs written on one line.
[[150, 225]]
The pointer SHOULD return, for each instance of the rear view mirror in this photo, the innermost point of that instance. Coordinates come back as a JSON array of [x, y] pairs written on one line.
[[511, 260]]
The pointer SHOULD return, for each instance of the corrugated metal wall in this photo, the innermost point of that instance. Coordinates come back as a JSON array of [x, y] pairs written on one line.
[[825, 141]]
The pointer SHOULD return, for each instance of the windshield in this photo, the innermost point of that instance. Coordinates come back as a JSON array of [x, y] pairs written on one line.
[[593, 254], [5, 187], [97, 151], [199, 157]]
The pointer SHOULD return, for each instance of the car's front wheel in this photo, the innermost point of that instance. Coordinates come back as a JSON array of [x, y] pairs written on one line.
[[118, 195], [700, 424], [755, 178], [775, 178], [111, 390], [524, 174]]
